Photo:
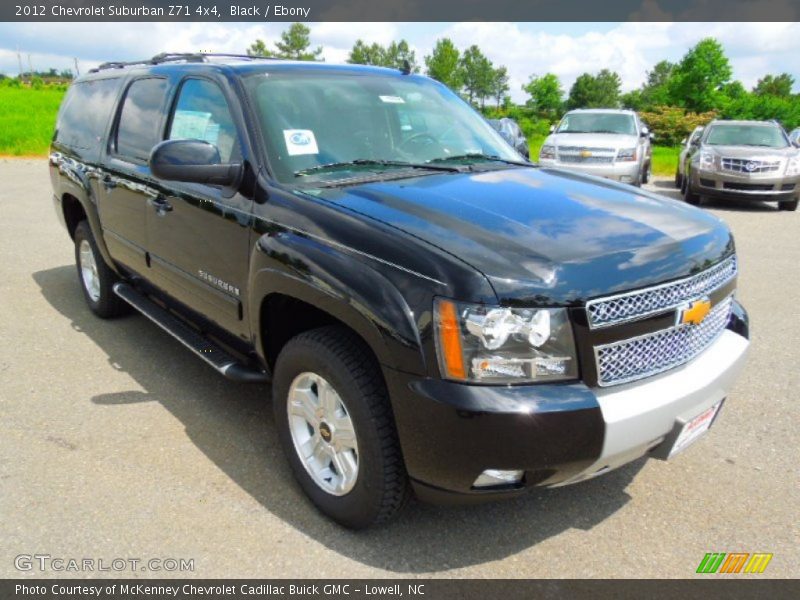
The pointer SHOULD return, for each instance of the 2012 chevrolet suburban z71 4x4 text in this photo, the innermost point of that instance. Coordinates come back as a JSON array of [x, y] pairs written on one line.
[[434, 312]]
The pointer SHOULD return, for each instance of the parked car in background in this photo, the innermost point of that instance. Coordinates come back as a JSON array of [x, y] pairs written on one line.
[[512, 133], [609, 143], [743, 159], [794, 136], [686, 146]]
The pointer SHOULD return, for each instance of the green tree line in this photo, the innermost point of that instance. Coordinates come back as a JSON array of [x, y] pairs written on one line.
[[674, 98]]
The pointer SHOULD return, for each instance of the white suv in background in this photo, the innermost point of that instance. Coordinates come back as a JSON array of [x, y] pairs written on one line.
[[609, 143]]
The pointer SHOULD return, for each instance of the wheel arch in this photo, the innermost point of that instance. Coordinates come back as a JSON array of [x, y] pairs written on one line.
[[72, 186], [296, 284]]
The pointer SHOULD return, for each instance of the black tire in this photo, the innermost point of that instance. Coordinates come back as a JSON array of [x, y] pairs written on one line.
[[678, 180], [381, 488], [689, 196], [790, 205], [647, 173], [107, 305]]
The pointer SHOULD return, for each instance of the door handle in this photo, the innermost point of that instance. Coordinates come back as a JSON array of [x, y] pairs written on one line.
[[161, 205]]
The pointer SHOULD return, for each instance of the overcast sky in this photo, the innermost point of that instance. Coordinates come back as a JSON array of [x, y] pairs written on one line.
[[567, 49]]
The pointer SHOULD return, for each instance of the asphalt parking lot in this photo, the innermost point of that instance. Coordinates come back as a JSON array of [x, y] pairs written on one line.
[[115, 442]]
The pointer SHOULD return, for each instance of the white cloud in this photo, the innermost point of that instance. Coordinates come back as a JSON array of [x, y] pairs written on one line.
[[525, 48]]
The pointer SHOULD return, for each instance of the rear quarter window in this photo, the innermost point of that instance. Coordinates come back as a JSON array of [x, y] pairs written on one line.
[[85, 113]]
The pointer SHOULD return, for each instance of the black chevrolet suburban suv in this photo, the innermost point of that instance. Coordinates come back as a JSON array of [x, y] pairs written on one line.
[[434, 313]]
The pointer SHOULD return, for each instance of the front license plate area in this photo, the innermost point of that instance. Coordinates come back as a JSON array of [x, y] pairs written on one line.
[[694, 429]]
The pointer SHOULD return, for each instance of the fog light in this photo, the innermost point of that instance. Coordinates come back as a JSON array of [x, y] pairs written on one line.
[[493, 477]]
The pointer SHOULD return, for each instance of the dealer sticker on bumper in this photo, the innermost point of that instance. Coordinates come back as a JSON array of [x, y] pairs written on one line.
[[694, 429]]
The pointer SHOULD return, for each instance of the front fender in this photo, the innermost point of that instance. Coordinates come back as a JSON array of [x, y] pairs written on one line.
[[360, 294]]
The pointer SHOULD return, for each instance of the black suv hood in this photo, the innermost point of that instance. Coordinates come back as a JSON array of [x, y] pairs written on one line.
[[543, 236]]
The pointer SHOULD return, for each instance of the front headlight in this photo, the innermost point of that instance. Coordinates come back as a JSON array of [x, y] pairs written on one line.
[[793, 166], [626, 154], [548, 151], [491, 344], [706, 160]]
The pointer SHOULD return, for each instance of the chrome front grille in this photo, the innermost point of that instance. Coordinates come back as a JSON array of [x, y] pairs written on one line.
[[640, 357], [577, 158], [583, 154], [745, 165], [629, 306]]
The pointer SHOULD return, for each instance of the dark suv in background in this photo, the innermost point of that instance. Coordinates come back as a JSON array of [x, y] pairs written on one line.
[[431, 311]]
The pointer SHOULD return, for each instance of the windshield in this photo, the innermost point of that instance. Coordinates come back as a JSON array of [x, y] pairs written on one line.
[[321, 125], [746, 135], [598, 122]]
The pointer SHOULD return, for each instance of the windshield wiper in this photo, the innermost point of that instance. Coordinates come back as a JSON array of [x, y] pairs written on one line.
[[479, 156], [368, 162]]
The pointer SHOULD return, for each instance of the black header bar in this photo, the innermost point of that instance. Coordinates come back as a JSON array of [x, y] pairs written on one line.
[[400, 10]]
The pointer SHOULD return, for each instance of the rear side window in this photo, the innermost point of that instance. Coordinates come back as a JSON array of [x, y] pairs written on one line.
[[140, 120], [85, 112]]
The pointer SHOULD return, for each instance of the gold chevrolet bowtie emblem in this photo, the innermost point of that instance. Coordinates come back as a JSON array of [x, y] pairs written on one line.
[[586, 153], [695, 312]]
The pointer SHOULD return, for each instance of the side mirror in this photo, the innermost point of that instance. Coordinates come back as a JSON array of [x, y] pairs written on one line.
[[552, 128], [645, 132], [192, 161], [652, 136]]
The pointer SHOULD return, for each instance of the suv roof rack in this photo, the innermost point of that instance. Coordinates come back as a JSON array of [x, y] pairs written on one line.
[[165, 57]]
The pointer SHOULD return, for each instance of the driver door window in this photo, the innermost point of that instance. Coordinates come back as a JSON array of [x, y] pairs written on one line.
[[202, 113]]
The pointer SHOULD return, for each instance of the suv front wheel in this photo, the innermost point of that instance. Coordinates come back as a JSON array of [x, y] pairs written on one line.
[[689, 195], [336, 428], [790, 205]]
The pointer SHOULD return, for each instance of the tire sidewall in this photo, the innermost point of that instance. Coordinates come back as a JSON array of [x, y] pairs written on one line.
[[83, 233], [359, 506]]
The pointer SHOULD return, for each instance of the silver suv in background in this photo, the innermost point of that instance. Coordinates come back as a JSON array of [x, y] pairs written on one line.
[[743, 159], [609, 143]]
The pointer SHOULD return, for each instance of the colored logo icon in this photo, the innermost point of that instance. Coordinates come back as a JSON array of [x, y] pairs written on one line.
[[734, 562]]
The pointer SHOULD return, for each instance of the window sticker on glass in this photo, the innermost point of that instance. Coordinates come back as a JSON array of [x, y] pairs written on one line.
[[194, 125], [300, 141], [392, 99]]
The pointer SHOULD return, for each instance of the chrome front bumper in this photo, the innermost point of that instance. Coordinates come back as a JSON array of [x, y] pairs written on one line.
[[729, 183], [640, 416], [625, 172]]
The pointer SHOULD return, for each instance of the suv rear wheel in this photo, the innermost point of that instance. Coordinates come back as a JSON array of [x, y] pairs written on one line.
[[96, 277], [335, 424]]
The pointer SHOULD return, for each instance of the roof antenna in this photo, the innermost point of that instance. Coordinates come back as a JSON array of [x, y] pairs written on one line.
[[406, 68]]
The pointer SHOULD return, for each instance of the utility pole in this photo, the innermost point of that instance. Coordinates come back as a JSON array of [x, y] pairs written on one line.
[[30, 67]]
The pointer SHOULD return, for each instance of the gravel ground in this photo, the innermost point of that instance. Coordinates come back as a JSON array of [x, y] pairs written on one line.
[[115, 442]]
